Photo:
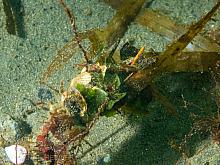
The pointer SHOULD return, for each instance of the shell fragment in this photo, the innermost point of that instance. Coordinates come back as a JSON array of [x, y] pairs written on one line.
[[16, 153]]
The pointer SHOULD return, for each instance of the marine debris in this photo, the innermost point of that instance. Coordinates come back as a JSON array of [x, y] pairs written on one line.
[[108, 82]]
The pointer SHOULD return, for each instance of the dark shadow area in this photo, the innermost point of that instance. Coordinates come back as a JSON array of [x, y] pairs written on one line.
[[160, 133], [14, 12]]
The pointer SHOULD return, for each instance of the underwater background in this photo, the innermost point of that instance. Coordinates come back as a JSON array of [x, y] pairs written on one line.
[[152, 134]]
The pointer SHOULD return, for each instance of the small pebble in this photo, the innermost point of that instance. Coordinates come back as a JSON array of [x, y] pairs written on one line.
[[44, 94]]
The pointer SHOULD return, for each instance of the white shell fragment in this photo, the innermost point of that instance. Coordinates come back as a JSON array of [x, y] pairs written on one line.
[[11, 153], [83, 78]]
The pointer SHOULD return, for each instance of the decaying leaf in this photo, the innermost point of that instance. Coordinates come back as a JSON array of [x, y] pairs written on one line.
[[168, 28], [170, 58]]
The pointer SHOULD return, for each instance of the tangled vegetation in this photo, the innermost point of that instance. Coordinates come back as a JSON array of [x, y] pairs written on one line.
[[112, 77]]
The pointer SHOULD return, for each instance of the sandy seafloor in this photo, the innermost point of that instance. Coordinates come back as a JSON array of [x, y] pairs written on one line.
[[117, 140]]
